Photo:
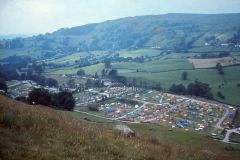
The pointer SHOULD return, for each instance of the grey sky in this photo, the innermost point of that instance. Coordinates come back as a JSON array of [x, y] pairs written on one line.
[[41, 16]]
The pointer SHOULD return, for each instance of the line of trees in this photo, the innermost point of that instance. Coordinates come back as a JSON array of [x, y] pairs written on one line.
[[62, 100], [198, 89]]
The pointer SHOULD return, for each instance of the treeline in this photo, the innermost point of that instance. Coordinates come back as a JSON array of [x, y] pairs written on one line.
[[40, 96], [198, 89]]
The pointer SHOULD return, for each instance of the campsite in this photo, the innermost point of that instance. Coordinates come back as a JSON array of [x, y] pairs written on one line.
[[175, 112]]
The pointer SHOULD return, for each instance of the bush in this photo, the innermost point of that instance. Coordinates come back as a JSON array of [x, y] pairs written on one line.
[[92, 107]]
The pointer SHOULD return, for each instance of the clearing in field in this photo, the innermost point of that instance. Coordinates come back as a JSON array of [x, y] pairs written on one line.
[[208, 63]]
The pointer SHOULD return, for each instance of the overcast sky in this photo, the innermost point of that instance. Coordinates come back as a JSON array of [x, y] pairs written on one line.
[[41, 16]]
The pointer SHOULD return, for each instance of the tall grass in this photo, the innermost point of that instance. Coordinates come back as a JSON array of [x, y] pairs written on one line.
[[37, 132]]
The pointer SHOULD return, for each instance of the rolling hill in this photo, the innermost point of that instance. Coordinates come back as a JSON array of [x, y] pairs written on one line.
[[166, 31]]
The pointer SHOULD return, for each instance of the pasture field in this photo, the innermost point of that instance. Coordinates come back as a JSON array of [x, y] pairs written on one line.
[[208, 63], [156, 66], [166, 79], [70, 58], [210, 76], [210, 49], [175, 55], [226, 35], [88, 70], [18, 52], [201, 40], [237, 57], [65, 80], [138, 53], [230, 89]]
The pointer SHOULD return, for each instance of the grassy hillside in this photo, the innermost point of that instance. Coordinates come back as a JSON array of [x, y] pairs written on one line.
[[165, 30], [37, 132]]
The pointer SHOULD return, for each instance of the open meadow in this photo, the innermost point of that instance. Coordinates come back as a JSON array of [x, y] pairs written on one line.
[[155, 66]]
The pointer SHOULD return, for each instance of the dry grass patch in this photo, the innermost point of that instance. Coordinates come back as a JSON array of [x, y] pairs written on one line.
[[208, 63]]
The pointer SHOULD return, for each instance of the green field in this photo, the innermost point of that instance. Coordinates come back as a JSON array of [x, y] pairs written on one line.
[[210, 76], [88, 70], [155, 66], [210, 49], [138, 53]]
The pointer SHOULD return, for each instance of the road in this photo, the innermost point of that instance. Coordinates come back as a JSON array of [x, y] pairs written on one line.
[[218, 125], [229, 131]]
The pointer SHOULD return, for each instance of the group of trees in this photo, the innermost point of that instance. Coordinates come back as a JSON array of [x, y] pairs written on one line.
[[219, 68], [14, 43], [220, 95], [97, 83], [198, 89], [61, 100], [113, 73], [3, 84]]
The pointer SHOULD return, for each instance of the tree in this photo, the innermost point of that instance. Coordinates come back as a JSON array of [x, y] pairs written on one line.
[[40, 96], [65, 100], [71, 83], [179, 89], [89, 83], [23, 76], [3, 84], [200, 89], [81, 72], [92, 107], [38, 69], [96, 75], [107, 63], [69, 104], [219, 68], [121, 79], [185, 75], [98, 84], [158, 87], [103, 73], [134, 82], [46, 45], [52, 82], [113, 73], [220, 95], [40, 80]]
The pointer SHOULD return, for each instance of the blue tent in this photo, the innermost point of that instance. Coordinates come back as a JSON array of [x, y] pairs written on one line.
[[109, 110], [182, 121], [135, 112], [78, 101], [185, 124], [128, 116], [231, 115], [190, 123]]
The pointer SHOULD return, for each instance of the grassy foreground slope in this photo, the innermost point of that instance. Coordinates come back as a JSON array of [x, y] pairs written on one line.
[[37, 132]]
